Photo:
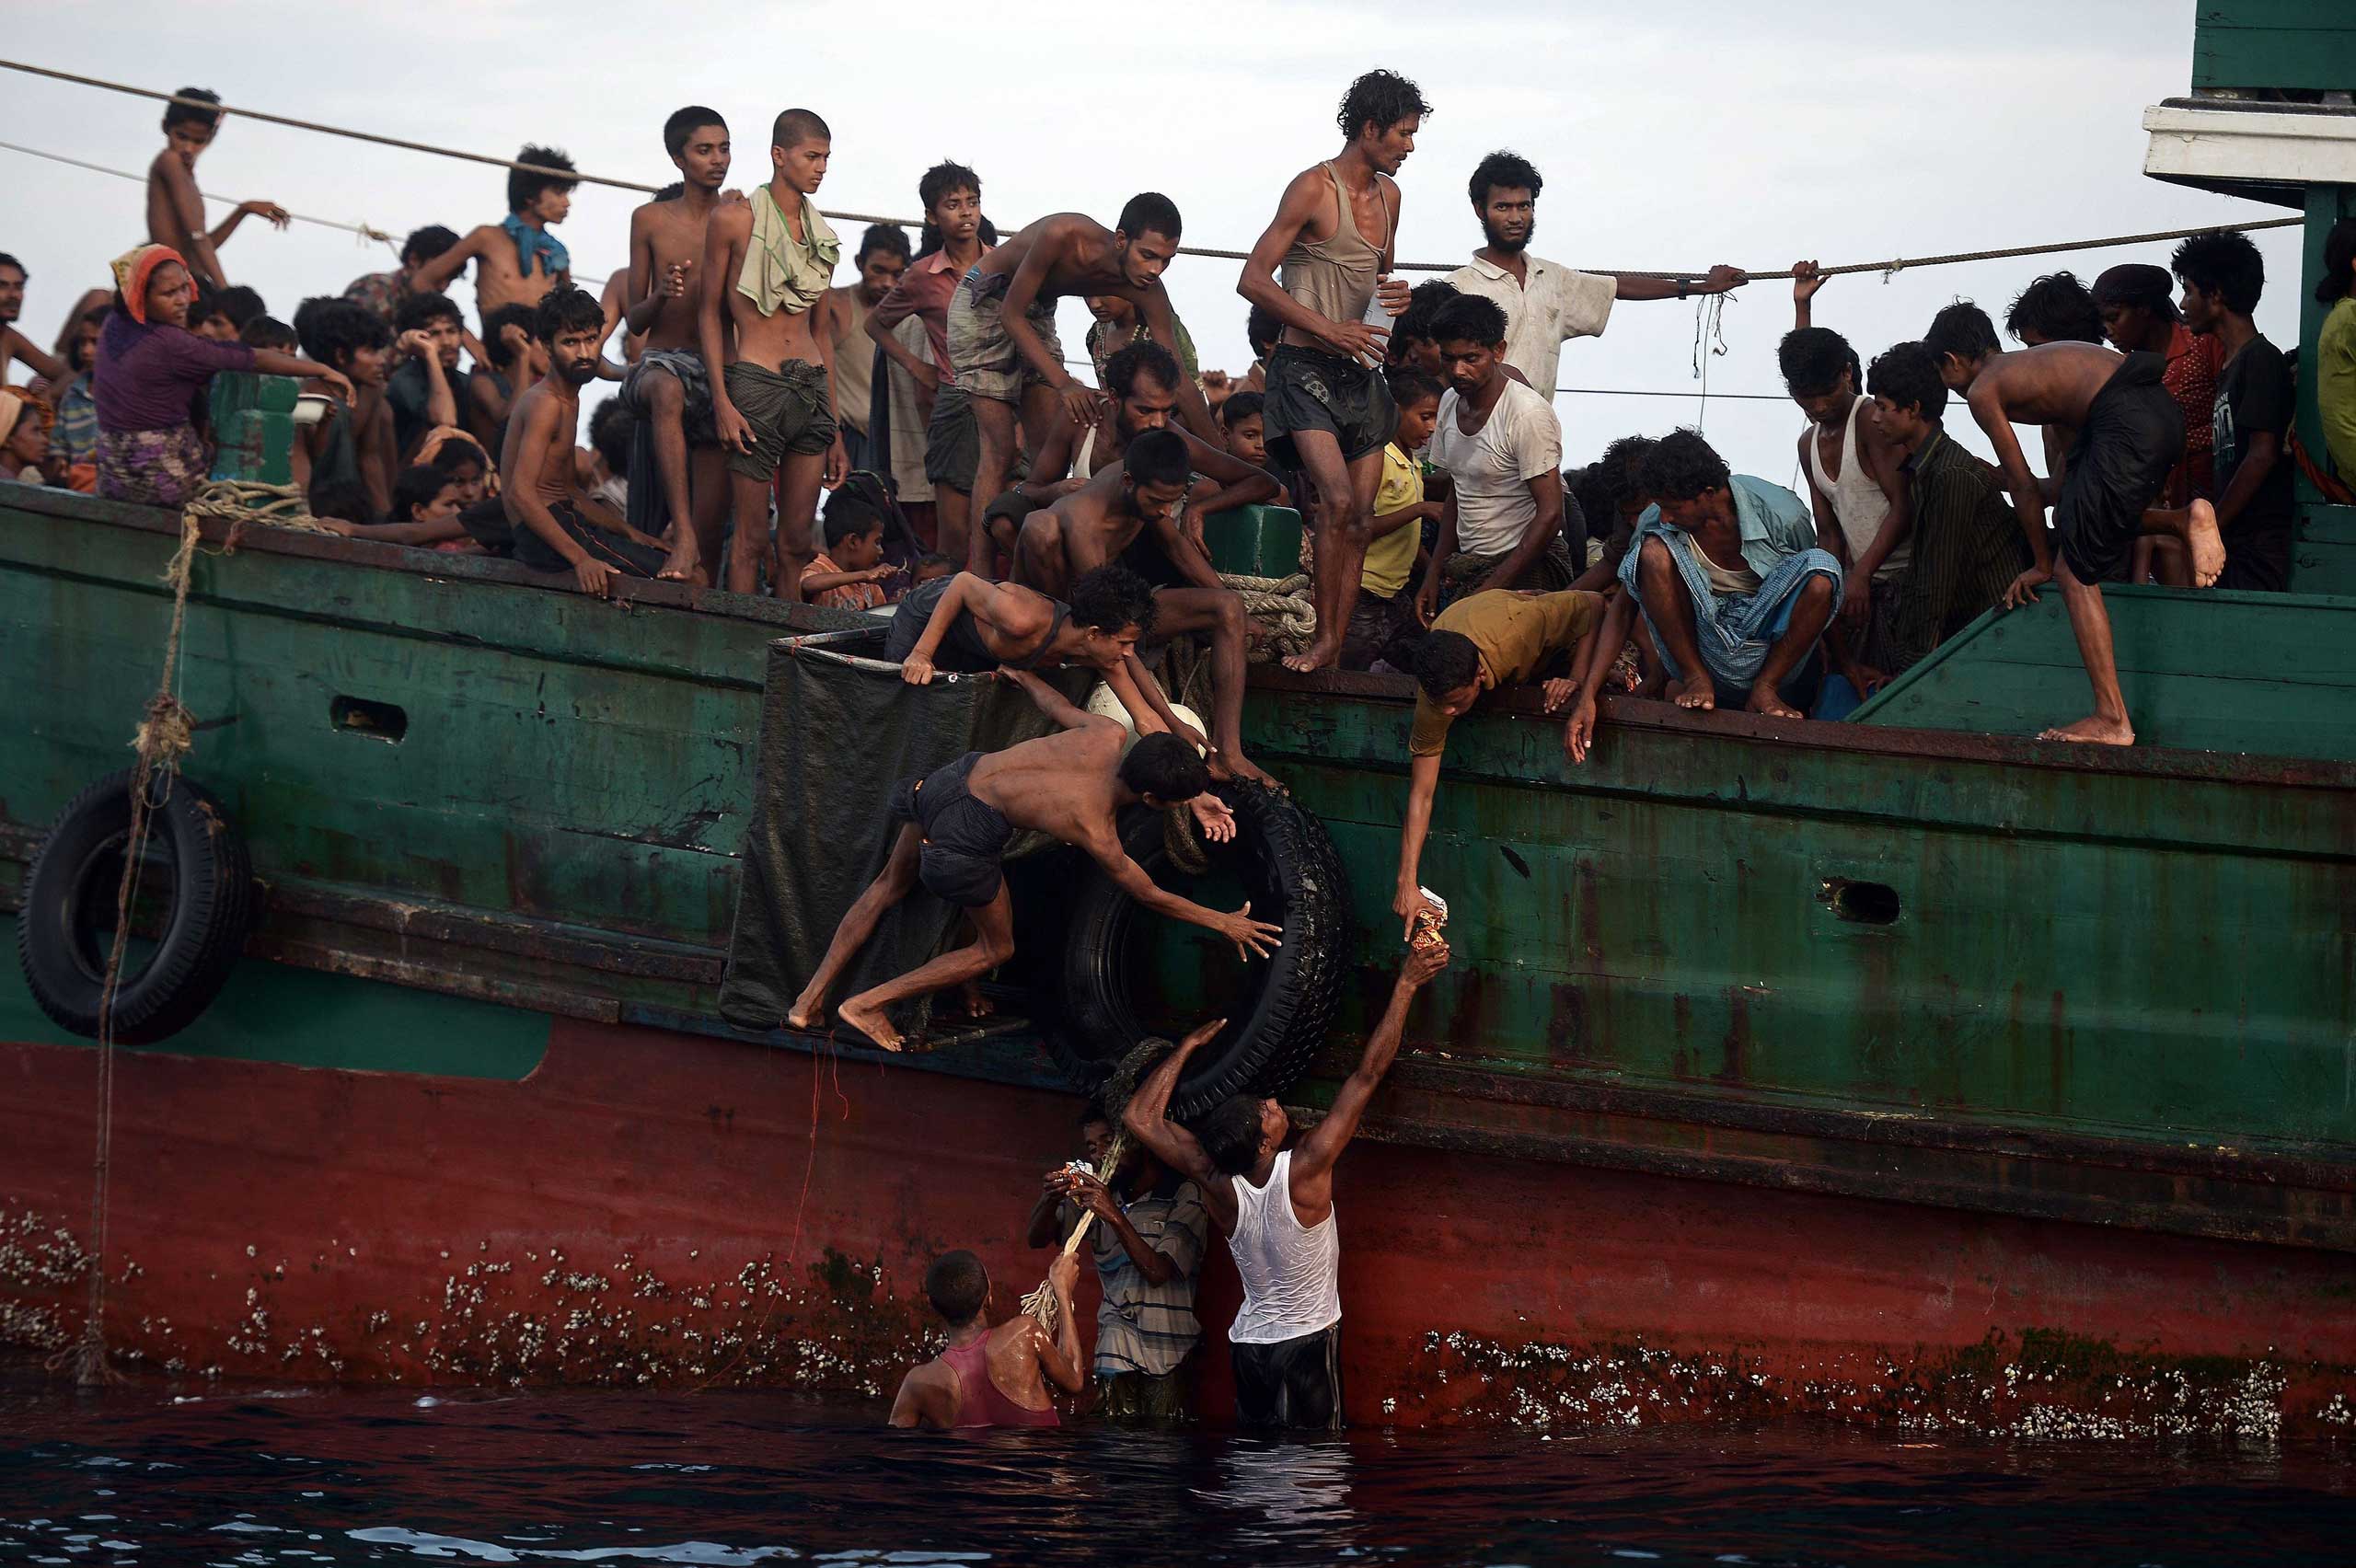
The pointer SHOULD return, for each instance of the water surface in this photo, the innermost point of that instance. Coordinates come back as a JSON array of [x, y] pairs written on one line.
[[257, 1478]]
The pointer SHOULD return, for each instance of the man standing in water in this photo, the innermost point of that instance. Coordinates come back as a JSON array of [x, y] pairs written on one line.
[[771, 401], [1274, 1206], [991, 1376], [1328, 413]]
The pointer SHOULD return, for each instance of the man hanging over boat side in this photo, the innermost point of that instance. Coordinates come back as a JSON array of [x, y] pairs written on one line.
[[768, 264], [1276, 1208], [1325, 257], [2125, 434], [1002, 342], [955, 823]]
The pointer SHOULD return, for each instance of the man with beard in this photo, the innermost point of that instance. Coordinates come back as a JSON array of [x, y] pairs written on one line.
[[1325, 257], [1546, 303], [558, 526]]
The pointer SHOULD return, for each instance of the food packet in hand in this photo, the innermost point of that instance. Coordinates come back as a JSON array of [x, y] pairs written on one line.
[[1429, 919]]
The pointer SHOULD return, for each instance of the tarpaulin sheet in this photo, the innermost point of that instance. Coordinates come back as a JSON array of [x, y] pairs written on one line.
[[838, 730]]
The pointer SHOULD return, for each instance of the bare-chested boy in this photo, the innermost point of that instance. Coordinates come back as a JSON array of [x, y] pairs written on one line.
[[1002, 339], [771, 261], [558, 526], [1328, 412], [517, 261], [176, 207], [2125, 434], [1133, 511], [955, 824], [678, 472]]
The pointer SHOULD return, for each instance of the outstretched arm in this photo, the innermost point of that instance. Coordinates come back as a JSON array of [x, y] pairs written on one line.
[[1721, 278], [1314, 1157], [1251, 936], [1060, 1358], [1423, 783], [436, 276], [1147, 1121], [2028, 500], [1052, 703]]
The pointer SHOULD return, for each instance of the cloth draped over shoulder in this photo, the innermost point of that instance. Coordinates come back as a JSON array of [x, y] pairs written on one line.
[[536, 242], [782, 272]]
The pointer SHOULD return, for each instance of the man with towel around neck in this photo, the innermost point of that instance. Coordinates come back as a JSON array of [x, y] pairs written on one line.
[[773, 258]]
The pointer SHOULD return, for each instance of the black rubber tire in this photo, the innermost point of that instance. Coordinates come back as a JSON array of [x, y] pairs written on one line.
[[65, 925], [1293, 876]]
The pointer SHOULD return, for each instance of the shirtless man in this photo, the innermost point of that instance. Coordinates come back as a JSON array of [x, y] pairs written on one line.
[[1328, 412], [955, 824], [679, 477], [1002, 338], [2125, 434], [991, 1376], [1133, 513], [772, 403], [1142, 382], [517, 261], [176, 207], [558, 526], [968, 624]]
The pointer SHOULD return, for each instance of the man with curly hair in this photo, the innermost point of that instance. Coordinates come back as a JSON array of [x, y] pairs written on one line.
[[1325, 257]]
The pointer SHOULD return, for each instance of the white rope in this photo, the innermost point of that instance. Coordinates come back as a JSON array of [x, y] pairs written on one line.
[[365, 231]]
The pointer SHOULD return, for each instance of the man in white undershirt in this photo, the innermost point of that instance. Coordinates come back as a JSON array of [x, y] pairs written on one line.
[[1547, 304]]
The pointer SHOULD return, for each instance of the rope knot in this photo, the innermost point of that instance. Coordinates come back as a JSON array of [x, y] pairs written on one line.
[[167, 734]]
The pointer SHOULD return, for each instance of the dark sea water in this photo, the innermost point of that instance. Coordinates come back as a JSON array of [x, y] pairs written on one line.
[[261, 1478]]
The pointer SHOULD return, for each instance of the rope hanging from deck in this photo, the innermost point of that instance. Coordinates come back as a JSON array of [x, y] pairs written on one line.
[[166, 733], [1888, 268]]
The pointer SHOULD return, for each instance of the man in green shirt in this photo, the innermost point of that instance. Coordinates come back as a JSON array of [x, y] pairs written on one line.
[[1483, 642]]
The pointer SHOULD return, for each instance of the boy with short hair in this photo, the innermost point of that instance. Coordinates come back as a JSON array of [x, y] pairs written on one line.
[[849, 574], [770, 262], [517, 261], [2222, 276], [991, 1376], [513, 361], [424, 393], [1858, 499], [383, 291], [176, 207], [1242, 417], [354, 446], [558, 526], [2125, 432], [1384, 624], [1967, 551], [841, 318], [424, 511]]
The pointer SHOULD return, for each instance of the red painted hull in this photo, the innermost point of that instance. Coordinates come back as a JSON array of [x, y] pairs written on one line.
[[653, 1206]]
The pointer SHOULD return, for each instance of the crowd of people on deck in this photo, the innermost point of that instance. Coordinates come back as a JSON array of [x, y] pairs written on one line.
[[1007, 514]]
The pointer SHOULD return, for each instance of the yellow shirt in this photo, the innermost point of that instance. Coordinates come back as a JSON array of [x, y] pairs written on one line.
[[1390, 560], [1517, 634]]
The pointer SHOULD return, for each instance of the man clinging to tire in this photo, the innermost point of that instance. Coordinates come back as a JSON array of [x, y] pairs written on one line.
[[956, 823], [1274, 1206]]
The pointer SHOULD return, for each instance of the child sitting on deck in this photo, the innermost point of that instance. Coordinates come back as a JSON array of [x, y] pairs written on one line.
[[153, 376], [849, 574], [425, 513]]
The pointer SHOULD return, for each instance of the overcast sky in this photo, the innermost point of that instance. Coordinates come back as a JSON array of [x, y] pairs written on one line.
[[1734, 133]]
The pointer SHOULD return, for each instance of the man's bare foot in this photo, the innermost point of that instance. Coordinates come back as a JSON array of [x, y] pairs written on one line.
[[1697, 693], [2093, 729], [872, 1022], [1766, 699], [1319, 655], [976, 1004], [2208, 546], [679, 566], [806, 1014], [1233, 766]]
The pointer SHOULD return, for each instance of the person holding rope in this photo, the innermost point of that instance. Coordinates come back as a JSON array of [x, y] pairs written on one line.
[[1274, 1206], [986, 1376], [176, 207]]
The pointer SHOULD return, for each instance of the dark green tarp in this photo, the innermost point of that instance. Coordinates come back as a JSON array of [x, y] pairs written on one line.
[[838, 730]]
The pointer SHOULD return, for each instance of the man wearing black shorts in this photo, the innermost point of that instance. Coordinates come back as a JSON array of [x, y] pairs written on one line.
[[955, 826], [1322, 261], [1274, 1206], [2124, 432]]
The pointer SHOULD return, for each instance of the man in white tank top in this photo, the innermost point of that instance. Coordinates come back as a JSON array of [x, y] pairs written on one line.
[[1274, 1206], [1855, 486]]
